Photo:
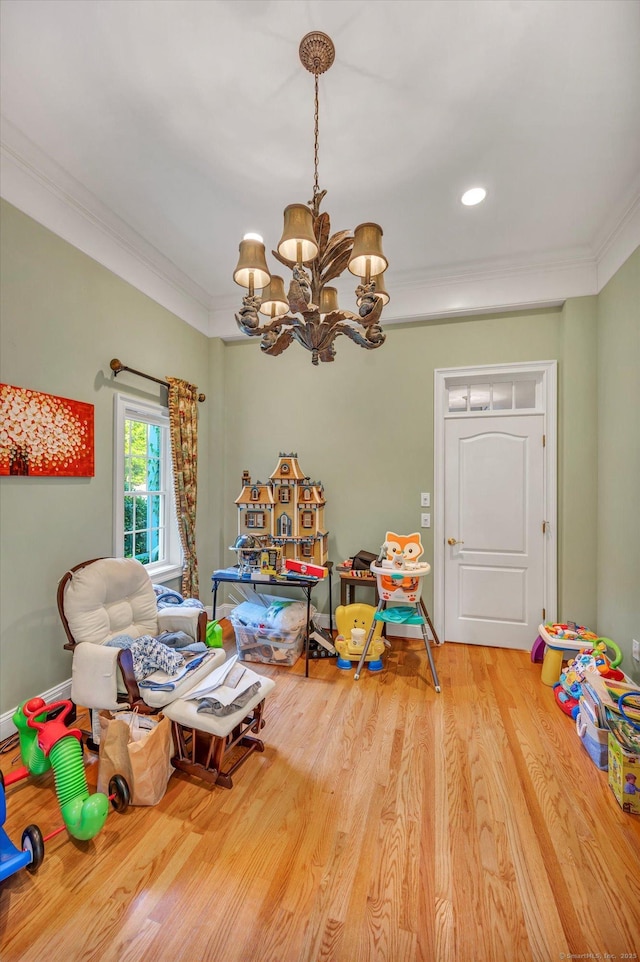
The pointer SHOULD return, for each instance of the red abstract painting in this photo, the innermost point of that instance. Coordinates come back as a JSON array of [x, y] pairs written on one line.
[[42, 435]]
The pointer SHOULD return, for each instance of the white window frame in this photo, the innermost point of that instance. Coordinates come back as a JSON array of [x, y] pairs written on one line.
[[129, 408]]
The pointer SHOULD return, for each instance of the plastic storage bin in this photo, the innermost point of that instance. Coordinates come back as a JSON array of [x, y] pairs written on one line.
[[268, 645], [594, 739]]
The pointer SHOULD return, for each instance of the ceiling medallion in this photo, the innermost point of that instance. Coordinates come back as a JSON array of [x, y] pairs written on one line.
[[309, 312]]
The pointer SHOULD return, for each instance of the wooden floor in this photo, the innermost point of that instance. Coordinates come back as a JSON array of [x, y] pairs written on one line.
[[383, 822]]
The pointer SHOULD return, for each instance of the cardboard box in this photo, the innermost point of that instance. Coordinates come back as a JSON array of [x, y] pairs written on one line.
[[624, 776], [305, 569]]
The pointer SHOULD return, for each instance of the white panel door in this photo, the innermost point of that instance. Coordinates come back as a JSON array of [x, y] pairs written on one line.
[[494, 491]]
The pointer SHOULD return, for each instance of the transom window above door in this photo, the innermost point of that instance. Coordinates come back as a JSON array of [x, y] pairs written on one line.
[[494, 395]]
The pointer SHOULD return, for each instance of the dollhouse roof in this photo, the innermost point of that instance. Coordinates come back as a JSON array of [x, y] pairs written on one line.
[[265, 495], [292, 470]]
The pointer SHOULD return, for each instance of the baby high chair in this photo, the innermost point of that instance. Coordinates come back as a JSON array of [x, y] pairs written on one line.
[[399, 577], [113, 600]]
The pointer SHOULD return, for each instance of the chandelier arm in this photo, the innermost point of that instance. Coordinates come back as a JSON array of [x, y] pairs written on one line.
[[274, 344], [372, 337]]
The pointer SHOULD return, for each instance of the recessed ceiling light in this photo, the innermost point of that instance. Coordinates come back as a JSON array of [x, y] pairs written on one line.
[[474, 196]]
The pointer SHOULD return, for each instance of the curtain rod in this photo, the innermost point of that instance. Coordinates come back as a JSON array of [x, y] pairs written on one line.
[[117, 367]]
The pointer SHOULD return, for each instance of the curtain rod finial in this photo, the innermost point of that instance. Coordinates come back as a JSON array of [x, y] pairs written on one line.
[[115, 365]]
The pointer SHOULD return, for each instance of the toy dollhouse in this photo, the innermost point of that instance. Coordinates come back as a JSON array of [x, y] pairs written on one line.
[[286, 511]]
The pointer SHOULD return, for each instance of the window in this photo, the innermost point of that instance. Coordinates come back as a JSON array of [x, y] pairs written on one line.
[[307, 519], [145, 524], [284, 493], [255, 519], [499, 394]]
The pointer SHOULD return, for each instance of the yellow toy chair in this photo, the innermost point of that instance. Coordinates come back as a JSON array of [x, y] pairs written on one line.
[[350, 646]]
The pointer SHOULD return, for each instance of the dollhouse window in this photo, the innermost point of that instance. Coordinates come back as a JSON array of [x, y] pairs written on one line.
[[307, 550], [255, 494], [284, 526], [306, 494], [307, 519], [284, 493], [255, 519]]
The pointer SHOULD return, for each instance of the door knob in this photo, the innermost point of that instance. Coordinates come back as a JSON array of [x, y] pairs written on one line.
[[453, 541]]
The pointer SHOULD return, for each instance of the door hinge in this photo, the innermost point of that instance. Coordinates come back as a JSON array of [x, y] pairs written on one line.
[[544, 440], [544, 613], [544, 527]]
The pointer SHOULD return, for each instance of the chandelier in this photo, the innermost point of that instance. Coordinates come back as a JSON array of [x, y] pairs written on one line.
[[309, 312]]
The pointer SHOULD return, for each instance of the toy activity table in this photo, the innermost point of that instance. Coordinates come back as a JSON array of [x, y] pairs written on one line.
[[403, 587], [555, 646]]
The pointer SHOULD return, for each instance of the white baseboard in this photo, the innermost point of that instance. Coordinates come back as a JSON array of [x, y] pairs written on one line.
[[60, 692]]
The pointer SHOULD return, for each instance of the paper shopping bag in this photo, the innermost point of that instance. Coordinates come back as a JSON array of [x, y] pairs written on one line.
[[139, 748]]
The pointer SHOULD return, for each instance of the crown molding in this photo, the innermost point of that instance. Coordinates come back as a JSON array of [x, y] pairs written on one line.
[[620, 243], [39, 187], [35, 184]]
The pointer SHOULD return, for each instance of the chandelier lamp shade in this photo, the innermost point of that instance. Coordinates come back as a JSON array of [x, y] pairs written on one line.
[[309, 312]]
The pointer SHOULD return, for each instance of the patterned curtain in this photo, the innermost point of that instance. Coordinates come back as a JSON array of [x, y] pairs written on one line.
[[183, 421]]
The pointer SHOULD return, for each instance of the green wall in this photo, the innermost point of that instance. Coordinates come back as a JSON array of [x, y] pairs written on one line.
[[64, 317], [618, 558]]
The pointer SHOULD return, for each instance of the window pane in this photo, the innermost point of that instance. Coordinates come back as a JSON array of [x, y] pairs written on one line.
[[154, 520], [128, 546], [502, 396], [138, 430], [153, 475], [458, 398], [154, 544], [140, 509], [480, 397], [154, 440], [128, 513], [137, 473], [525, 394]]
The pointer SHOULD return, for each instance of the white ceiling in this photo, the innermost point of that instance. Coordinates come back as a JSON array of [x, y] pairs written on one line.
[[154, 133]]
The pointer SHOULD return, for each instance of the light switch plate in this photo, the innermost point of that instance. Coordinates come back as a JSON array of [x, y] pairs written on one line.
[[425, 520], [425, 499]]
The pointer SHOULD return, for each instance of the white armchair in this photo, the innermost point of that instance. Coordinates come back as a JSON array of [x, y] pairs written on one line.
[[101, 599]]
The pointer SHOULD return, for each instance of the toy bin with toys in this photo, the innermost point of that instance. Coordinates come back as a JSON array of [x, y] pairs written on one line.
[[271, 633], [594, 739]]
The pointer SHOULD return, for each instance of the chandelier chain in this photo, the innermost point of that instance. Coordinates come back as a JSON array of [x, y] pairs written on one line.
[[316, 186]]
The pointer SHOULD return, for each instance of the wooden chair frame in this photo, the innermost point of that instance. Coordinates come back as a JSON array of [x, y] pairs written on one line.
[[202, 754]]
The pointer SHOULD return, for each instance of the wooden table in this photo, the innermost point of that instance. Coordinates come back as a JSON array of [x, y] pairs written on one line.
[[350, 580]]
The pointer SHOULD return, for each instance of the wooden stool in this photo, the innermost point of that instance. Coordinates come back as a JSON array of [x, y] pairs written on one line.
[[204, 743]]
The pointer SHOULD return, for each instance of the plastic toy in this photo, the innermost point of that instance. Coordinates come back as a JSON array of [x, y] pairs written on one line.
[[569, 705], [353, 622], [47, 743], [12, 859]]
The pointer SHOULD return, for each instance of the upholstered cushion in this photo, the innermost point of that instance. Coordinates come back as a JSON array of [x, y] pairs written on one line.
[[112, 596], [186, 713], [95, 677]]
